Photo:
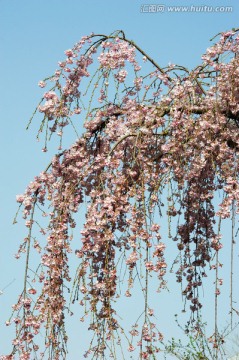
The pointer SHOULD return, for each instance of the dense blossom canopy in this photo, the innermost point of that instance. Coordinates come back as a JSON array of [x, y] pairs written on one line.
[[145, 130]]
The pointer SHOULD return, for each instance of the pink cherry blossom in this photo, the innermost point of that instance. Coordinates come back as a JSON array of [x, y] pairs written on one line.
[[148, 147]]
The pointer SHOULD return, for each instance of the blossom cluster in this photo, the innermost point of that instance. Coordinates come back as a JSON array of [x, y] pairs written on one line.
[[160, 131]]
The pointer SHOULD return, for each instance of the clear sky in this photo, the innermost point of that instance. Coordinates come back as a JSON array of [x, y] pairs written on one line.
[[33, 37]]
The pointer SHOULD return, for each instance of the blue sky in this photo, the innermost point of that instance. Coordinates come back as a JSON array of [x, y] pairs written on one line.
[[33, 37]]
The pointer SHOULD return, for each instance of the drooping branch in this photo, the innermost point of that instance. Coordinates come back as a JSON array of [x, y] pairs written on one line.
[[172, 129]]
